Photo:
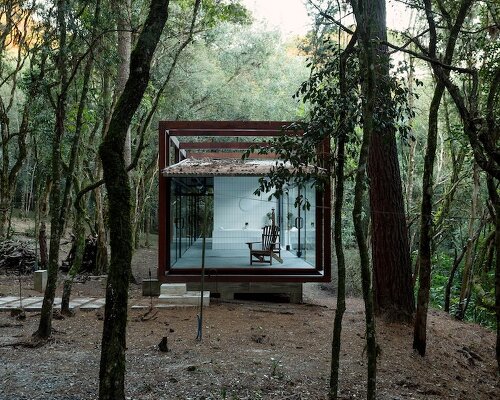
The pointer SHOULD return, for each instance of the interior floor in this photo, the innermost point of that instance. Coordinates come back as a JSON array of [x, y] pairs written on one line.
[[220, 258]]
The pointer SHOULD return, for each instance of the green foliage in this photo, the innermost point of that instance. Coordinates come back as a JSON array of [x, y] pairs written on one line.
[[442, 264], [476, 312]]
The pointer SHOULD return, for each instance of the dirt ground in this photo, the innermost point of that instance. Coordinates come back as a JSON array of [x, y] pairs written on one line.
[[250, 350]]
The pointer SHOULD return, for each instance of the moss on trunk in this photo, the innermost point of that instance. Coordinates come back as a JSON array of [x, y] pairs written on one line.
[[112, 367]]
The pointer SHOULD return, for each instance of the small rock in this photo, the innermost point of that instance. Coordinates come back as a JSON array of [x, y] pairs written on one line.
[[163, 345]]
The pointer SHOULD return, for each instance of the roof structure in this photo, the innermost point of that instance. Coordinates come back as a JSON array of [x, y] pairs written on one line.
[[191, 167]]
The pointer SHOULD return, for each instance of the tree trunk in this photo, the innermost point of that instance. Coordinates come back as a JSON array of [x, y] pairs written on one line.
[[123, 10], [412, 141], [368, 16], [425, 246], [102, 260], [42, 243], [345, 128], [45, 325], [112, 366], [449, 284], [390, 245], [495, 200], [469, 254], [79, 232]]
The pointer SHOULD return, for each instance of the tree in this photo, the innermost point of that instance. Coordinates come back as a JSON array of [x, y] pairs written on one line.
[[19, 44], [392, 283], [112, 366], [475, 101], [56, 210], [424, 255], [390, 247]]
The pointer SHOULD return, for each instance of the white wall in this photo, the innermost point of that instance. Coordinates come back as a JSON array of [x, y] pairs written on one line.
[[235, 203]]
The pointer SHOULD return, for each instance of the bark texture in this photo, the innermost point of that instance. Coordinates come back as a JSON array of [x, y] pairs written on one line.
[[365, 11], [425, 253], [56, 224], [425, 246], [112, 366], [390, 244], [344, 129]]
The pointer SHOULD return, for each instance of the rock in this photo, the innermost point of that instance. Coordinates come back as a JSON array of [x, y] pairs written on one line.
[[163, 345]]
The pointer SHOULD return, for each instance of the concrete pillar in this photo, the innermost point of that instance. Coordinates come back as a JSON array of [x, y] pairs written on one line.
[[150, 287], [40, 280]]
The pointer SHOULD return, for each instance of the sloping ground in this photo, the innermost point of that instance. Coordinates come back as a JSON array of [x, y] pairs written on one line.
[[249, 351]]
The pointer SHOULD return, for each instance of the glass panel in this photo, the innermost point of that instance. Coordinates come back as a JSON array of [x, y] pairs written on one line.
[[236, 218]]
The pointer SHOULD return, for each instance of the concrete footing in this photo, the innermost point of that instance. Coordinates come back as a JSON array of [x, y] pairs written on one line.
[[177, 293], [151, 287], [228, 290], [40, 280]]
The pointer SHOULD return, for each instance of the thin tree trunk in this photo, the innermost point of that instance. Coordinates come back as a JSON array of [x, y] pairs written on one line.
[[412, 141], [344, 129], [123, 10], [357, 212], [102, 260], [469, 254], [425, 246], [495, 200], [449, 284], [45, 324], [79, 232], [112, 366], [365, 11], [42, 243], [147, 227]]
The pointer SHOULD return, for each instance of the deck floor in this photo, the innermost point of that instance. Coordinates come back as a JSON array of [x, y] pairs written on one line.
[[233, 258]]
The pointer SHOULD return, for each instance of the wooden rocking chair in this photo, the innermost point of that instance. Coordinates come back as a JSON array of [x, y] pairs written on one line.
[[269, 246]]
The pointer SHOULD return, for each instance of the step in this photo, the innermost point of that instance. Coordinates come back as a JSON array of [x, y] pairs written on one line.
[[188, 298], [173, 289]]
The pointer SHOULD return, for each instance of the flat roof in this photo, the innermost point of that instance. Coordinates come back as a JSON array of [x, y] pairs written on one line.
[[221, 167]]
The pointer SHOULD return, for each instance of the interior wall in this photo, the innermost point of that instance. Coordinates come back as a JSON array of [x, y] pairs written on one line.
[[235, 204]]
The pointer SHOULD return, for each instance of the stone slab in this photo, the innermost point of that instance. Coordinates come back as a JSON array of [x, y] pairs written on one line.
[[173, 289], [94, 305], [8, 299], [189, 298], [18, 304], [79, 301]]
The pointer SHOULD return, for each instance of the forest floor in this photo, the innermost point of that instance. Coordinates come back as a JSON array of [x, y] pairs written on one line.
[[250, 350]]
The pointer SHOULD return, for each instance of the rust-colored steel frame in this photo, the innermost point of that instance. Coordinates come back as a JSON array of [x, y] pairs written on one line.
[[171, 150]]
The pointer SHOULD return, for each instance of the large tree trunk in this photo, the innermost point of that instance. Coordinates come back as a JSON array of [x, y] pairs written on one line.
[[112, 367], [390, 245], [425, 245]]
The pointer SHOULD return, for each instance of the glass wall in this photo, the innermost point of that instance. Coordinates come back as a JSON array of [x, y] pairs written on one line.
[[237, 216], [188, 197], [299, 222]]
